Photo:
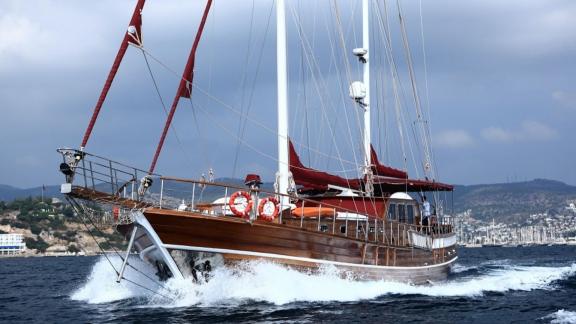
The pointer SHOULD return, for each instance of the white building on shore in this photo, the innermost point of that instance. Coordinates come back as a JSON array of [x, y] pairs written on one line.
[[12, 244]]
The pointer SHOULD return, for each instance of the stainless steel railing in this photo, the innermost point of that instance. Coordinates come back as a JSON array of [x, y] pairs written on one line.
[[111, 181]]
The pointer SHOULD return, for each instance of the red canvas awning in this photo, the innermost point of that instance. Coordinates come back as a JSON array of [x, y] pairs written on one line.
[[382, 170], [314, 179]]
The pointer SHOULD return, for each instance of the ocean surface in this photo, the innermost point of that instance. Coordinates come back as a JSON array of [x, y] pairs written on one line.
[[488, 285]]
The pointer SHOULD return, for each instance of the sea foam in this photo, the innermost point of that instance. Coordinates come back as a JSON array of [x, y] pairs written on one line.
[[276, 284], [561, 317]]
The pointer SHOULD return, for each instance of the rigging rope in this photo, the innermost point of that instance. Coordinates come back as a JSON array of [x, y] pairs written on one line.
[[242, 83], [244, 122], [311, 61], [416, 96], [79, 209], [184, 89], [172, 127], [232, 109]]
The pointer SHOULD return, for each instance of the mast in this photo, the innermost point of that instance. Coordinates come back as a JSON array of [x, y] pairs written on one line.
[[282, 83], [366, 81], [185, 86]]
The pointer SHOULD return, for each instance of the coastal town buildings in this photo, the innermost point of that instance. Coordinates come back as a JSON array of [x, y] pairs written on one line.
[[535, 229], [12, 244]]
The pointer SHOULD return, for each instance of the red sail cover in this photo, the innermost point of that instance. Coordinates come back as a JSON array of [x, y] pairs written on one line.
[[382, 170], [136, 22], [315, 179], [410, 185]]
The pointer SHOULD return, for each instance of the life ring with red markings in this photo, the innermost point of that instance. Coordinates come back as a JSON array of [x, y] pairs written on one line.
[[268, 208], [245, 200]]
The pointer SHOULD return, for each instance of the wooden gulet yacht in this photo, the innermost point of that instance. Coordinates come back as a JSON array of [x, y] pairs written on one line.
[[369, 228]]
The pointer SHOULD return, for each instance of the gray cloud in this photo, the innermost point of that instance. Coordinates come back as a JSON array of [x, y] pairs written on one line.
[[529, 131], [489, 63]]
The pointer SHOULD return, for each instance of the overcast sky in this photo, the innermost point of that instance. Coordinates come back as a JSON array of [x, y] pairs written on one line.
[[501, 77]]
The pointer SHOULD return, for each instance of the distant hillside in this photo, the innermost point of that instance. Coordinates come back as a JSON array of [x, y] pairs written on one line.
[[9, 193], [503, 201], [510, 201]]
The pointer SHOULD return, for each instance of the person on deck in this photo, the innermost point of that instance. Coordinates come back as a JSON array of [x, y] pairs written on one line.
[[425, 212]]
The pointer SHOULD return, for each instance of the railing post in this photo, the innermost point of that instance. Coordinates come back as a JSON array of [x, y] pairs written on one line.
[[281, 210], [383, 231], [256, 201], [226, 202], [376, 230], [84, 173], [161, 191], [193, 196], [116, 179], [357, 224], [334, 222], [346, 225], [92, 175], [319, 216], [111, 177], [367, 229], [302, 215], [134, 185]]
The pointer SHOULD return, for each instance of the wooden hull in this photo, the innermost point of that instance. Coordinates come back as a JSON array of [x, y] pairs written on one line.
[[235, 240]]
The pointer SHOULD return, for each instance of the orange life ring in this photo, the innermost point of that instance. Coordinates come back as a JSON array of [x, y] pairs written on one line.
[[232, 203], [268, 213]]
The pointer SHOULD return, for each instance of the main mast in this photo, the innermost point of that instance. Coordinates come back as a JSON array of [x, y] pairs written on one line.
[[366, 81], [282, 83]]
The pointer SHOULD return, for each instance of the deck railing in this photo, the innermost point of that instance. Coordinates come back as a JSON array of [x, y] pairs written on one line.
[[120, 186]]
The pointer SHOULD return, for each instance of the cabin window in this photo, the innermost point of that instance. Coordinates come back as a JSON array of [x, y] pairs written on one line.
[[323, 228], [343, 229], [392, 211], [410, 214], [402, 213]]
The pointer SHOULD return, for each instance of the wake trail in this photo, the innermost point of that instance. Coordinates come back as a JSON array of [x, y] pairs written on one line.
[[276, 284]]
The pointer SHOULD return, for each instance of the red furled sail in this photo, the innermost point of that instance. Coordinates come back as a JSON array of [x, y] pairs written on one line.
[[314, 179], [133, 35], [185, 87], [382, 170], [409, 185]]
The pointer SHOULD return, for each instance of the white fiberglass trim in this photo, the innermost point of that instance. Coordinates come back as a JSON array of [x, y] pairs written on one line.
[[141, 220], [401, 196], [288, 257]]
